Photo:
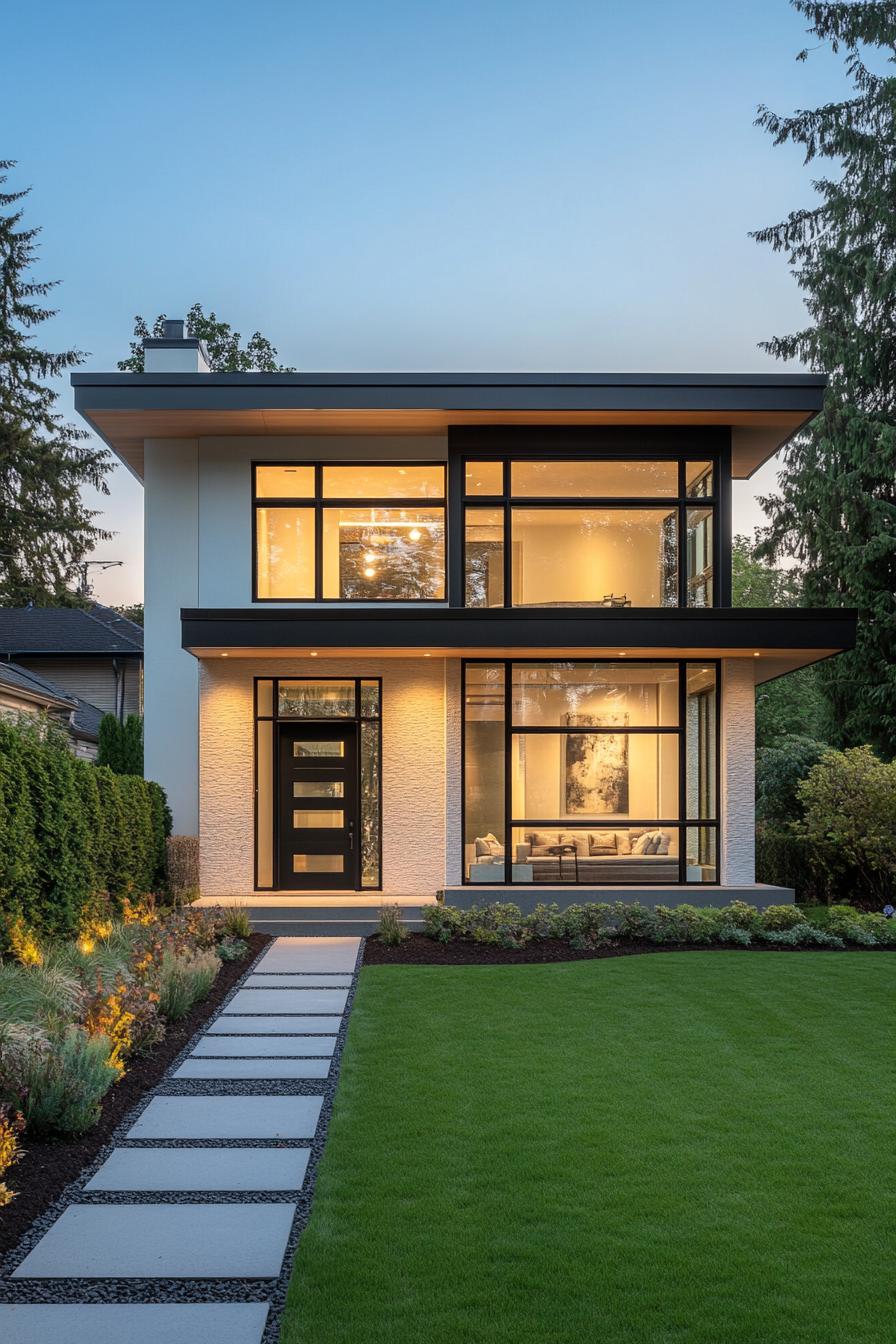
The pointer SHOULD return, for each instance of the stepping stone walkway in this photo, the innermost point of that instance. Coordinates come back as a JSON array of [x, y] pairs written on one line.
[[184, 1230]]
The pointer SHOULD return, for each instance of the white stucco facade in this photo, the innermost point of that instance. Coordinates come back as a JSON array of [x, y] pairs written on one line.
[[199, 713]]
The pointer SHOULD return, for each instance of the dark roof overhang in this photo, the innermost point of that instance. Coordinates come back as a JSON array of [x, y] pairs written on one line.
[[763, 411], [779, 639]]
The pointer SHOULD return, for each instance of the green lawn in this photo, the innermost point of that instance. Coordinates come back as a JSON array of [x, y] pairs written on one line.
[[687, 1147]]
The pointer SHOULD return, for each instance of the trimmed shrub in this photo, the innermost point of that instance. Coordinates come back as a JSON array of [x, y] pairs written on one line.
[[183, 867], [849, 813], [781, 916], [594, 925], [70, 832]]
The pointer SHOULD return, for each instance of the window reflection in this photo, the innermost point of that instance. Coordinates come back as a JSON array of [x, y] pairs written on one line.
[[597, 480], [484, 563], [382, 553]]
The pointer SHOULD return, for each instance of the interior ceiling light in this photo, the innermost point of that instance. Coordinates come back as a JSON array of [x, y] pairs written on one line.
[[415, 534], [313, 653], [370, 572]]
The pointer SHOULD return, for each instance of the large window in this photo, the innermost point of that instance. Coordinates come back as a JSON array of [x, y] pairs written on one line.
[[589, 532], [591, 772], [343, 533]]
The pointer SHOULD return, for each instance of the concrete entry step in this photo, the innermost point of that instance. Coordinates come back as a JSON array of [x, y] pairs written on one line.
[[330, 954], [325, 923], [134, 1323]]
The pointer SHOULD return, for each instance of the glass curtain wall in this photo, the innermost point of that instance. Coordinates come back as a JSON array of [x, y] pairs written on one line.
[[590, 772], [588, 533]]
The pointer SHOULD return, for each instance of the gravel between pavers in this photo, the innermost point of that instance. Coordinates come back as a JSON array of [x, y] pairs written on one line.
[[207, 1290]]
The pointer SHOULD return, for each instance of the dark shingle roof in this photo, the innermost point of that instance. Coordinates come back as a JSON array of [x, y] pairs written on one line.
[[20, 679], [84, 722], [69, 630]]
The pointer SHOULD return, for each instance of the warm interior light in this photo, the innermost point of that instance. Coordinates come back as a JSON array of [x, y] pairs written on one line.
[[369, 558], [755, 655], [623, 654], [415, 534], [313, 653], [370, 572]]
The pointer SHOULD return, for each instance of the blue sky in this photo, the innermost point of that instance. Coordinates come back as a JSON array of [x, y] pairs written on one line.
[[508, 184]]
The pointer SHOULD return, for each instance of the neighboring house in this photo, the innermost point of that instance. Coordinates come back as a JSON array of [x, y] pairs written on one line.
[[412, 632], [24, 693], [93, 653]]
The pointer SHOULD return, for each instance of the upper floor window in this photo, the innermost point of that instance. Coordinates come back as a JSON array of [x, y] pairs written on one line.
[[588, 532], [349, 532]]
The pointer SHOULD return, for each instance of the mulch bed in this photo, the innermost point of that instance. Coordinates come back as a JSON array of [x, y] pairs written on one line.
[[49, 1165], [419, 950]]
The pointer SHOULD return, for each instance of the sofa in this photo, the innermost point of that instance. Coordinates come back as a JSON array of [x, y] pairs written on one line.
[[602, 858]]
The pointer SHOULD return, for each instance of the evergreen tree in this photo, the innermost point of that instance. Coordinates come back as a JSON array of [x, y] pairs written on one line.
[[793, 706], [109, 746], [222, 343], [45, 529], [836, 510]]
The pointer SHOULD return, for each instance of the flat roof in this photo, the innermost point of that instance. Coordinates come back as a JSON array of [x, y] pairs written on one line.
[[763, 410], [775, 640]]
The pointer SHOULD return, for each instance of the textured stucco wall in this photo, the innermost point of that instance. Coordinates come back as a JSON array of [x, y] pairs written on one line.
[[170, 687], [414, 768], [738, 771]]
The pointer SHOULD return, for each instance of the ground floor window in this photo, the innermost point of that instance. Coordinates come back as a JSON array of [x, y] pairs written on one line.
[[318, 770], [591, 772]]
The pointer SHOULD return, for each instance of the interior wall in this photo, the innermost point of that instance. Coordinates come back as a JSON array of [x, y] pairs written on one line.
[[557, 562]]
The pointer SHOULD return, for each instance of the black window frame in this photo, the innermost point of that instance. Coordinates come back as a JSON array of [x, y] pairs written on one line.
[[318, 503], [682, 824], [275, 718], [503, 444]]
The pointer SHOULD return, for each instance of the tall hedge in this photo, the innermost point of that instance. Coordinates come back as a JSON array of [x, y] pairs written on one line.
[[71, 831]]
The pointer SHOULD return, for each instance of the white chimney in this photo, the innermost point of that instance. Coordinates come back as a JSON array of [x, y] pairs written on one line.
[[174, 352]]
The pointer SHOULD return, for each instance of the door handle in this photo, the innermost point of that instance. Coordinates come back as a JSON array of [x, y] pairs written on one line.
[[351, 835]]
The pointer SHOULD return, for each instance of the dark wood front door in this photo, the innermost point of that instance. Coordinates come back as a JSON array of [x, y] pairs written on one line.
[[318, 788]]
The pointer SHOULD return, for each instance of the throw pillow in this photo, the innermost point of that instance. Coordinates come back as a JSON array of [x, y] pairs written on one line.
[[665, 840], [544, 838], [603, 842], [623, 842], [642, 844], [494, 845], [579, 839]]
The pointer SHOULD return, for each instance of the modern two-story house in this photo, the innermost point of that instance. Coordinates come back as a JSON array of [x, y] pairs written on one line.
[[410, 633]]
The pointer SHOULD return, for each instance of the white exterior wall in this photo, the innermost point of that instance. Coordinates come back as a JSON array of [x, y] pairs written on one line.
[[171, 675], [415, 788], [738, 772]]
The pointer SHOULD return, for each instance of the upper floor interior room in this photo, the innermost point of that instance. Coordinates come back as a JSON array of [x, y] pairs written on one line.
[[475, 491]]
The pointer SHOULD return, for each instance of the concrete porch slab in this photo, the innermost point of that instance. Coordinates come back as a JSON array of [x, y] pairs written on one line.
[[134, 1323], [527, 895], [162, 1241]]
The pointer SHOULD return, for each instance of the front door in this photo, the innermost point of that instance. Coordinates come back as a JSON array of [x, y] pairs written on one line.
[[318, 788]]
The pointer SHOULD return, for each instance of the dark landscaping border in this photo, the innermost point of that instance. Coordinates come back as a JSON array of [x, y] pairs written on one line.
[[50, 1165], [420, 950], [272, 1291]]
